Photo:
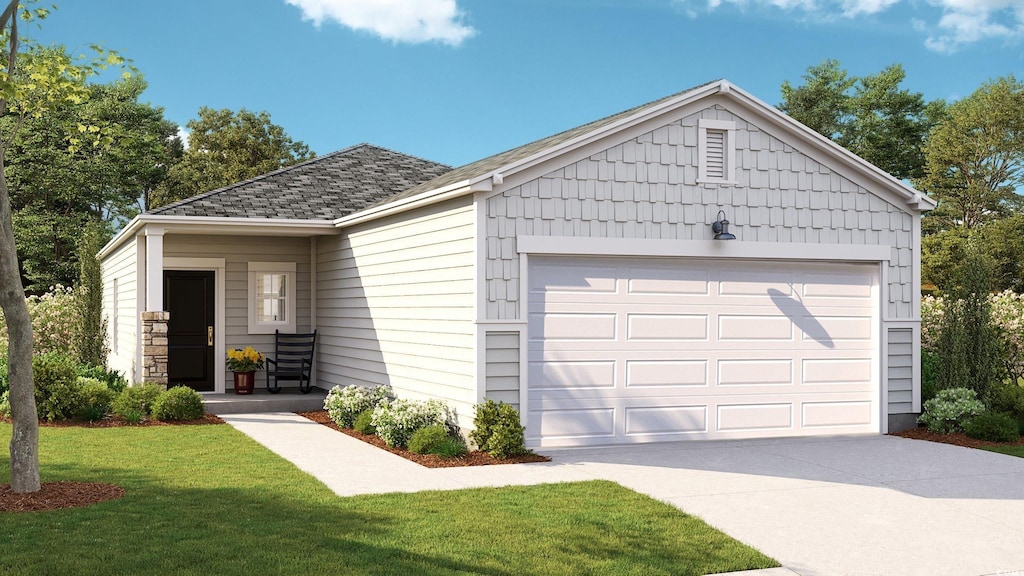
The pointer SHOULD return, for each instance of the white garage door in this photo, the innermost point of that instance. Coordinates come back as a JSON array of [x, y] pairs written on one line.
[[640, 350]]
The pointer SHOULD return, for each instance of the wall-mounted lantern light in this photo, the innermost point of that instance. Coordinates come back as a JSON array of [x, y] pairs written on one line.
[[721, 228]]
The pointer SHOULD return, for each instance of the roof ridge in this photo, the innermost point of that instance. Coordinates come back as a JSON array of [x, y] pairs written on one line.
[[229, 187]]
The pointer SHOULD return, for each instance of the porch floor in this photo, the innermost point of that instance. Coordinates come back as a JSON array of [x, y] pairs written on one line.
[[288, 400]]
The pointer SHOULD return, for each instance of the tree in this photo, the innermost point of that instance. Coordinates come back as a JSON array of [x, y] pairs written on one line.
[[974, 158], [870, 116], [227, 147], [31, 84], [81, 162], [90, 342]]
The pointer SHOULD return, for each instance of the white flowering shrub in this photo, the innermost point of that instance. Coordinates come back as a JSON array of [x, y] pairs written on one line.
[[54, 321], [345, 404], [932, 310], [396, 421], [950, 410], [1008, 316]]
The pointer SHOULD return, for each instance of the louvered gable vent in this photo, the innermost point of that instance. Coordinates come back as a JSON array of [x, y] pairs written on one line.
[[716, 151], [715, 158]]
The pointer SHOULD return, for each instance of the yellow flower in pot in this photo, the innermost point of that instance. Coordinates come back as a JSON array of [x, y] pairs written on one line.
[[245, 360]]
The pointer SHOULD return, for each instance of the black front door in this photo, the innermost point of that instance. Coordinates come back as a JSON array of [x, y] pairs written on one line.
[[188, 297]]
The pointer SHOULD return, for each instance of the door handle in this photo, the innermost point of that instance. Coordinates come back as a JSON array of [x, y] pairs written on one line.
[[209, 335]]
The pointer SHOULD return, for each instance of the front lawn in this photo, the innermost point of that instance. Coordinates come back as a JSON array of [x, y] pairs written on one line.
[[209, 500], [1012, 450]]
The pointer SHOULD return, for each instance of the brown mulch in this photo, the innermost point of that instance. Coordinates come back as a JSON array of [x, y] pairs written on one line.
[[957, 439], [111, 421], [58, 495], [474, 458]]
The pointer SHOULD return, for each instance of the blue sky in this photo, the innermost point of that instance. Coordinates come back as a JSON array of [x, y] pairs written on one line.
[[456, 80]]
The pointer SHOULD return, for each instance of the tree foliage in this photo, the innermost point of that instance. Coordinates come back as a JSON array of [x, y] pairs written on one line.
[[871, 115], [90, 342], [968, 344], [227, 147], [81, 162], [975, 157], [32, 84]]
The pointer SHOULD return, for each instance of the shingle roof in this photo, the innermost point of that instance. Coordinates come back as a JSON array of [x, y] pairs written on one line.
[[324, 188], [481, 167]]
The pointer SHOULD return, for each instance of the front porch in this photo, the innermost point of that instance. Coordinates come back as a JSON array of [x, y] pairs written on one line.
[[260, 401]]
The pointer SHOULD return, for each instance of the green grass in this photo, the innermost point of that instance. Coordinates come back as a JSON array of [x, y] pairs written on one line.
[[1017, 451], [209, 500]]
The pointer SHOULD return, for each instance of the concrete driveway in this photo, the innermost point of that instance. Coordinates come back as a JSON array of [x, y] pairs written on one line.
[[859, 506]]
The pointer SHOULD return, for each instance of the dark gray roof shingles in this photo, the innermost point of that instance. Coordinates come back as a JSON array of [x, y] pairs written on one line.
[[324, 188]]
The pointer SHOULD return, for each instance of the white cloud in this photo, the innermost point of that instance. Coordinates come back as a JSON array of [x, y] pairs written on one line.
[[962, 22], [411, 21], [183, 135]]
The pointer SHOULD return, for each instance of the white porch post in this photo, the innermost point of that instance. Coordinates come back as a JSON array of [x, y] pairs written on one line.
[[154, 269]]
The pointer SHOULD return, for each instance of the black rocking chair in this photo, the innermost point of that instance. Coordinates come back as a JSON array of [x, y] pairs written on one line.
[[293, 360]]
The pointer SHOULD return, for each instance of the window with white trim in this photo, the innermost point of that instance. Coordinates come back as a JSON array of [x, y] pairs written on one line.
[[271, 297], [716, 151]]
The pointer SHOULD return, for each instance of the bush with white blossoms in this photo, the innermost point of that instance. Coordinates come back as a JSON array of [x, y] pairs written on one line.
[[396, 421], [950, 410], [55, 322], [1007, 315], [345, 404], [932, 310]]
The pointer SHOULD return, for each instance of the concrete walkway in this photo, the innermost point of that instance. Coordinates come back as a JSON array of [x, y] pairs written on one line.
[[859, 506]]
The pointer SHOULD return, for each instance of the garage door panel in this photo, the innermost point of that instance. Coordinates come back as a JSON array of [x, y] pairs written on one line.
[[580, 279], [573, 326], [660, 373], [701, 349], [663, 326], [667, 281], [664, 420], [836, 414], [754, 416], [751, 327], [566, 374]]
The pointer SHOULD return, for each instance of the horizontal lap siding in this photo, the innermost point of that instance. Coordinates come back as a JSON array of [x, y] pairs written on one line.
[[900, 370], [395, 305], [647, 188], [502, 374], [121, 315], [237, 252]]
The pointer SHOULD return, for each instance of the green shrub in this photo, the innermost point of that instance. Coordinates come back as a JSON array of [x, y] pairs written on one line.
[[929, 375], [56, 386], [396, 421], [993, 426], [1008, 398], [178, 403], [5, 404], [450, 447], [951, 409], [364, 423], [135, 402], [113, 379], [507, 435], [484, 420], [344, 405], [94, 398], [5, 382], [426, 439]]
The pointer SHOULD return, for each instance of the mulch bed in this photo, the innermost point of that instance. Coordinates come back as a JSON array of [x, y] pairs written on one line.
[[475, 458], [58, 495], [111, 421], [957, 439]]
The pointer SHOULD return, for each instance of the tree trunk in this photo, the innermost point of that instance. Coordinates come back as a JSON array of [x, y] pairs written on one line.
[[25, 438]]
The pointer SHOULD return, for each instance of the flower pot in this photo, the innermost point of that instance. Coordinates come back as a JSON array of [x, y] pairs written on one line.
[[244, 382]]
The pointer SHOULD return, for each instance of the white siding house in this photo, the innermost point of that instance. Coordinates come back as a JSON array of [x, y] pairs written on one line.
[[579, 277]]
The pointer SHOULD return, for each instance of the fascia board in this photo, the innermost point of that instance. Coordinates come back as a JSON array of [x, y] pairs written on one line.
[[219, 225], [425, 199]]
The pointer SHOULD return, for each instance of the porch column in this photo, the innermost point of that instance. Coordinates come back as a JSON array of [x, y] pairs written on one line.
[[154, 269], [154, 347]]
